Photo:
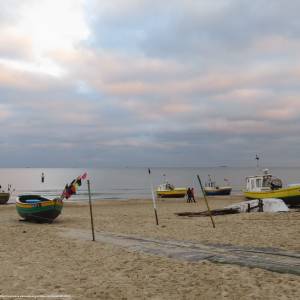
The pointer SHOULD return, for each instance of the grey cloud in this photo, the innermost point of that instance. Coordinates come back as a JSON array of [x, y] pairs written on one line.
[[231, 29], [187, 32], [177, 84]]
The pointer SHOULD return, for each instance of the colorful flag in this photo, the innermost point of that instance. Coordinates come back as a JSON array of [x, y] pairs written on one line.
[[71, 189], [84, 175]]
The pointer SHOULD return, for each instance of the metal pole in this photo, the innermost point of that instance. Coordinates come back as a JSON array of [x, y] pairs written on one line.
[[204, 195], [91, 210]]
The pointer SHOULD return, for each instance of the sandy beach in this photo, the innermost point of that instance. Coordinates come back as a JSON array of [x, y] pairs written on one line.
[[39, 259]]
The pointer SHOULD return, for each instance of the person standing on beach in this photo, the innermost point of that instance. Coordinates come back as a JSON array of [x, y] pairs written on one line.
[[188, 193], [192, 195], [43, 178]]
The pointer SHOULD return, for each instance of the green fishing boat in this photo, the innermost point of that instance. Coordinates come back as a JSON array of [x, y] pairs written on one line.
[[38, 209], [42, 210]]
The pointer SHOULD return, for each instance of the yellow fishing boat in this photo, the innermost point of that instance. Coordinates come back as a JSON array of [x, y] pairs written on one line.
[[167, 190], [266, 186]]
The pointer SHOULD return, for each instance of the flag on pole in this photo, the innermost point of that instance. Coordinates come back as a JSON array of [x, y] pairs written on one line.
[[71, 189]]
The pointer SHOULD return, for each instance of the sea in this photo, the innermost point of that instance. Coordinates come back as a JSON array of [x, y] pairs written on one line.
[[128, 183]]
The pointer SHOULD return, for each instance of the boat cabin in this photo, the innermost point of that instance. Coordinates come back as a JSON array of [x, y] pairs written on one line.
[[165, 187], [264, 182], [210, 183]]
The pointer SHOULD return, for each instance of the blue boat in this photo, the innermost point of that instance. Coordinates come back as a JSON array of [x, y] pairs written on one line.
[[212, 189]]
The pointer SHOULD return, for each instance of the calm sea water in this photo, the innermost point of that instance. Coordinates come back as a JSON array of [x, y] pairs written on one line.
[[125, 183]]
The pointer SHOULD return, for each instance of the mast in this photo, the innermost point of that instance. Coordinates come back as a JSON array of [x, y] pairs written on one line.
[[257, 161]]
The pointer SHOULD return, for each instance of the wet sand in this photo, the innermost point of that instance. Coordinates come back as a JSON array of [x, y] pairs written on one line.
[[36, 259]]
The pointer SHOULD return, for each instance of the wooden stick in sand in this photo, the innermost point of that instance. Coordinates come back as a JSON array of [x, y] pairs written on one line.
[[91, 210], [204, 195], [153, 198]]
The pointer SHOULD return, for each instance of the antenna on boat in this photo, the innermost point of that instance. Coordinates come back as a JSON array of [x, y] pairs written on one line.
[[257, 160], [165, 178]]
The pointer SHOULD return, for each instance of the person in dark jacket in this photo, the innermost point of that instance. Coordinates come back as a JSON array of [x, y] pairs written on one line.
[[189, 195]]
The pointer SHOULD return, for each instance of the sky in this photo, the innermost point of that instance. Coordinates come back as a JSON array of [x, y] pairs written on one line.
[[86, 83]]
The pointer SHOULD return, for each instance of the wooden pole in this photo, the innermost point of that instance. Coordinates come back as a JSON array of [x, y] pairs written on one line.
[[204, 195], [153, 199], [91, 210]]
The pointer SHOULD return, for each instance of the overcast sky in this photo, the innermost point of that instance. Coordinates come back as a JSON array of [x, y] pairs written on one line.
[[86, 83]]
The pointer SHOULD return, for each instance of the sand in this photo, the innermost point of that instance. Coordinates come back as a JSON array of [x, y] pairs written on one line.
[[36, 259]]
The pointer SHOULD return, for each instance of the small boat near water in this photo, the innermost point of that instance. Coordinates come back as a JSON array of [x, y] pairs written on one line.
[[42, 210], [39, 209], [4, 197], [167, 190], [212, 189], [5, 194], [267, 186]]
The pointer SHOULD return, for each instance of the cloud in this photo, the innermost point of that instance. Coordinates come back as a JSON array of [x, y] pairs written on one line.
[[31, 32], [5, 113], [148, 82]]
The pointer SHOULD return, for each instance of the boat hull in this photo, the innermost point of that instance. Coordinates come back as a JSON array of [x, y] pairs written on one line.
[[42, 212], [290, 195], [176, 193], [4, 197], [218, 192]]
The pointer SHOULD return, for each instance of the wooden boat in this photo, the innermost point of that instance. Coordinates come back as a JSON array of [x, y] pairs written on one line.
[[167, 190], [266, 186], [38, 209], [211, 189], [4, 197], [42, 210]]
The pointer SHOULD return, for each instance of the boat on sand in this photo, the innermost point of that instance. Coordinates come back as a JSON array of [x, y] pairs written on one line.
[[42, 210], [267, 186], [212, 189], [4, 197], [39, 209], [167, 190]]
